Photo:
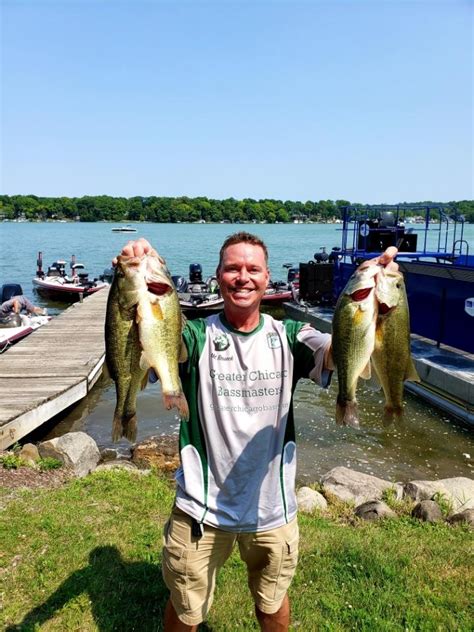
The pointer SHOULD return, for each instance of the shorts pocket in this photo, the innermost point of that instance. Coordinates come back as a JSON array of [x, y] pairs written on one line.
[[174, 571], [289, 560]]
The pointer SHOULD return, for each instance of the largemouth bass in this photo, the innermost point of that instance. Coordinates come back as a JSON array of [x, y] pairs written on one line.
[[391, 357], [123, 351], [160, 324], [353, 339]]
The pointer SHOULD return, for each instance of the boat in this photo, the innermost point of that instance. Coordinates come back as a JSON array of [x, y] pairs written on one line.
[[55, 283], [16, 326], [124, 229], [278, 292], [439, 279], [438, 269], [11, 335], [197, 296]]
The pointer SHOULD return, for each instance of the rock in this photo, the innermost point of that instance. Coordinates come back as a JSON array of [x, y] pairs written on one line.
[[351, 486], [29, 453], [310, 500], [159, 452], [76, 450], [109, 454], [374, 510], [466, 517], [120, 464], [428, 511], [457, 491]]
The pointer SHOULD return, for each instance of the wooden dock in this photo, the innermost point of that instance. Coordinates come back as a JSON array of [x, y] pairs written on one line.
[[51, 369]]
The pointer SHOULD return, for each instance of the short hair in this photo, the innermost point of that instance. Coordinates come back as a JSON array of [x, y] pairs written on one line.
[[242, 237]]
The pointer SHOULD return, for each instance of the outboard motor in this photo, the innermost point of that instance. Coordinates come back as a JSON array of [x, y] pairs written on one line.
[[321, 257], [84, 278], [195, 273], [9, 290], [293, 275], [108, 275], [180, 283]]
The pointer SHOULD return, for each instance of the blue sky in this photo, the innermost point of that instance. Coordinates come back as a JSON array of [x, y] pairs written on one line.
[[365, 101]]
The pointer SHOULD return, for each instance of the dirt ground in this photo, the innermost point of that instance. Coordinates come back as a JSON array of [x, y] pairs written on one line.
[[32, 478], [12, 482]]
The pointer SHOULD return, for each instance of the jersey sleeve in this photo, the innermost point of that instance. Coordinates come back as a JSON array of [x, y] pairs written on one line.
[[309, 346], [194, 337]]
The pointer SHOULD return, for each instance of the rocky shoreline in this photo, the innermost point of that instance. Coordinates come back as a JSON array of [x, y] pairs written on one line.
[[450, 499]]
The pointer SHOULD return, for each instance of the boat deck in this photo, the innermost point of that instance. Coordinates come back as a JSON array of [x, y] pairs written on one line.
[[447, 374], [51, 369]]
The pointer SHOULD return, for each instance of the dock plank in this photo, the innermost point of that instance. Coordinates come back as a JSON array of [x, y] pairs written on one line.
[[52, 368]]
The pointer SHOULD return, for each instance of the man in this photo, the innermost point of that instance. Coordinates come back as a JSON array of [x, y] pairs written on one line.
[[236, 483], [16, 304]]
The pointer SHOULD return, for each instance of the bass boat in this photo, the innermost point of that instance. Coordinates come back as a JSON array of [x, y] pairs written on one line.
[[55, 283], [197, 296], [14, 327]]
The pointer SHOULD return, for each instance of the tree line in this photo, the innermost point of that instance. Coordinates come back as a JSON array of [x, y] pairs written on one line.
[[180, 209]]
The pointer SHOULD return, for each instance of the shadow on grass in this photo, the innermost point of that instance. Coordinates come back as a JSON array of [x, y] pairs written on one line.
[[123, 595]]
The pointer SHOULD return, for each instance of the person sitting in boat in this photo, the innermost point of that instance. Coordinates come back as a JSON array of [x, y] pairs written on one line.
[[17, 304]]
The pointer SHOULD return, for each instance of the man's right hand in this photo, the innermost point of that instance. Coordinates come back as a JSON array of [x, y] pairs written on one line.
[[136, 248]]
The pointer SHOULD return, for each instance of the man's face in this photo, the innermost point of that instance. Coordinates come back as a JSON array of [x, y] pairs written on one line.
[[243, 277]]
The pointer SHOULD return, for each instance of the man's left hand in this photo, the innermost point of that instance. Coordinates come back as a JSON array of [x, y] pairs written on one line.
[[386, 259]]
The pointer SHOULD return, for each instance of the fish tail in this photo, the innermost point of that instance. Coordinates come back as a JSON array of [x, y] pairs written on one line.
[[117, 428], [177, 400], [124, 426], [129, 427], [392, 414], [346, 414]]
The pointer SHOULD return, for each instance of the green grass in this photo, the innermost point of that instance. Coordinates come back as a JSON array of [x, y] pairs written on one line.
[[87, 557], [11, 461], [49, 463]]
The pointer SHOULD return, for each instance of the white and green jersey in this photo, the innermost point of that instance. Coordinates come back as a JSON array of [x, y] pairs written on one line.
[[238, 453]]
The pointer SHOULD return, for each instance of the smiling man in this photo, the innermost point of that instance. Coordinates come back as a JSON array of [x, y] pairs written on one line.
[[236, 482]]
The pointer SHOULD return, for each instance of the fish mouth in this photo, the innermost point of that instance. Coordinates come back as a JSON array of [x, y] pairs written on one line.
[[384, 308]]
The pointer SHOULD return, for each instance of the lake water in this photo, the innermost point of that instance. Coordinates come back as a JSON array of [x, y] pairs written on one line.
[[429, 445]]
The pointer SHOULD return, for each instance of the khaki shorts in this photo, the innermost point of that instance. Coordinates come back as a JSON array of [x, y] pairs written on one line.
[[190, 564]]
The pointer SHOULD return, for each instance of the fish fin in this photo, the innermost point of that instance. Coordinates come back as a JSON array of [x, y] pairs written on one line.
[[391, 414], [366, 372], [144, 363], [117, 428], [346, 414], [157, 311], [177, 400], [378, 335], [183, 352], [374, 383], [144, 381], [124, 426], [357, 317], [106, 370], [411, 374], [184, 321], [129, 427]]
